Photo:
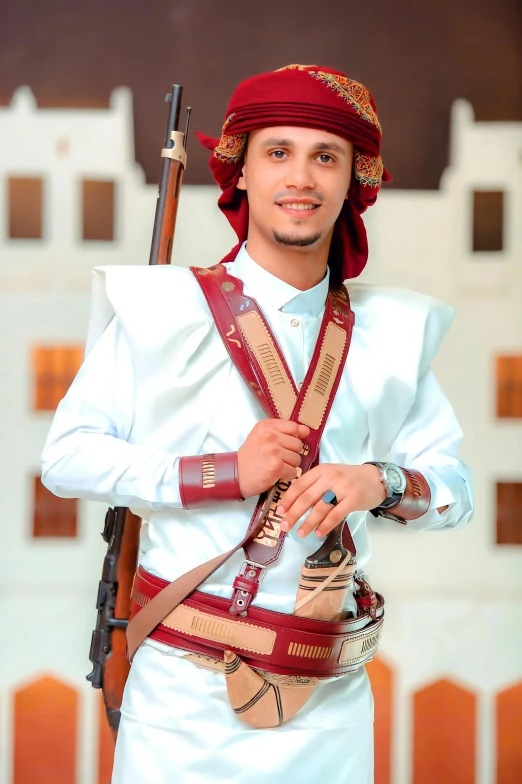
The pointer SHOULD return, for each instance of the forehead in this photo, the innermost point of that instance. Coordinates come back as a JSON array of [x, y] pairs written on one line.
[[292, 135]]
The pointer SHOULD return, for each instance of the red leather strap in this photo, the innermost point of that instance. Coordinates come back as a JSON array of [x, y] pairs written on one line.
[[225, 322], [415, 501], [205, 479]]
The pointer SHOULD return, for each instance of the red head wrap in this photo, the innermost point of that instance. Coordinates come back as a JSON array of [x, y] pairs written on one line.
[[311, 97]]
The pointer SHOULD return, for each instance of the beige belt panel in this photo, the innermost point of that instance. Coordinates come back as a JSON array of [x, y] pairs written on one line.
[[361, 647], [241, 635]]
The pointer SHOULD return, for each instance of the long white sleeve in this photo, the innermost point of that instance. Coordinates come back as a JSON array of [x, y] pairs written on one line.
[[87, 454], [429, 441]]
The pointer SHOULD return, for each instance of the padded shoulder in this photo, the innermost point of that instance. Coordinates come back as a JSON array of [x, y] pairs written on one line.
[[402, 321], [146, 300]]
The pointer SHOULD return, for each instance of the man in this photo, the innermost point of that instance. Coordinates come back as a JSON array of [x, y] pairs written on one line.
[[297, 163]]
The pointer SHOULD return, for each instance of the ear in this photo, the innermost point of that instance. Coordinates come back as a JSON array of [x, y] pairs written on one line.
[[241, 183]]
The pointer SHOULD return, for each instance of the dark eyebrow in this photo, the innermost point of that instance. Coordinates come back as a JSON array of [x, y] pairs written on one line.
[[329, 146], [322, 146], [273, 142]]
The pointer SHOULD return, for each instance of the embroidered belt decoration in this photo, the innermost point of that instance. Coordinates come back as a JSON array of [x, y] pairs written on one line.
[[328, 573]]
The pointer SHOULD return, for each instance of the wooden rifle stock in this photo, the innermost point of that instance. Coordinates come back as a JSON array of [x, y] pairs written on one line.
[[108, 652]]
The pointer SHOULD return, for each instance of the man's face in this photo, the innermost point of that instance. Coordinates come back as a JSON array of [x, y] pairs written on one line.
[[296, 181]]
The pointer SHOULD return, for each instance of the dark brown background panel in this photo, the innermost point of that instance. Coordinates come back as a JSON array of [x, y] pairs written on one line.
[[98, 210], [24, 196], [415, 57], [488, 221], [509, 513], [52, 516]]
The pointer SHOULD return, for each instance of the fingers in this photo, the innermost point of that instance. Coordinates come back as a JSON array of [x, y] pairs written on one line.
[[316, 517], [306, 499], [291, 443], [334, 517], [298, 487], [290, 428], [287, 473], [291, 458]]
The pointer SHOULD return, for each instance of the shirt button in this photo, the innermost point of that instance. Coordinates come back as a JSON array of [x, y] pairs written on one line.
[[295, 322]]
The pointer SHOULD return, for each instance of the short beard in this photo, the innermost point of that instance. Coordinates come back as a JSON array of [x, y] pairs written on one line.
[[296, 242]]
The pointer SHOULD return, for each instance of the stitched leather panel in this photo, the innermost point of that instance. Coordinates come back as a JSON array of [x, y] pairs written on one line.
[[246, 636], [262, 346], [318, 394]]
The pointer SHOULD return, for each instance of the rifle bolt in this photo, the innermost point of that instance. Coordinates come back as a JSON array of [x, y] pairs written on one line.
[[106, 648]]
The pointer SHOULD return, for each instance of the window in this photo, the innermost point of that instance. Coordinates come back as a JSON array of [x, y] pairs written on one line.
[[488, 220], [54, 370], [25, 208], [52, 516], [98, 210], [45, 731], [509, 387], [509, 512]]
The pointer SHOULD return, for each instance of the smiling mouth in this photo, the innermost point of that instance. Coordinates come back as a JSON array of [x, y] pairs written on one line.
[[299, 207]]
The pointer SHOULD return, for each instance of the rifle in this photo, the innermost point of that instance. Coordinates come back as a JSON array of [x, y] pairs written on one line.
[[108, 653]]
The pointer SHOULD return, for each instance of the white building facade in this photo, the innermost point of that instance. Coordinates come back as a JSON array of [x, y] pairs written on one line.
[[453, 598]]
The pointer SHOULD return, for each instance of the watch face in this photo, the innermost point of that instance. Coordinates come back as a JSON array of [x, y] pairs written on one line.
[[395, 478]]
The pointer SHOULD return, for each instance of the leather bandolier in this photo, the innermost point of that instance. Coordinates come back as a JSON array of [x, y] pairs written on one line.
[[272, 661]]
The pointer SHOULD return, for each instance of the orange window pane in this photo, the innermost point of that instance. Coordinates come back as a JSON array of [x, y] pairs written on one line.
[[45, 732], [25, 208], [509, 512], [488, 220], [54, 369], [509, 747], [381, 678], [509, 387], [98, 210], [444, 735], [52, 516]]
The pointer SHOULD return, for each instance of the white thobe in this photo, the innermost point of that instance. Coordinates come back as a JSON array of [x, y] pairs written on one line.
[[157, 383]]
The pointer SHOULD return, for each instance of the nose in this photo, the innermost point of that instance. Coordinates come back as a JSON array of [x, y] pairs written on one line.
[[299, 173]]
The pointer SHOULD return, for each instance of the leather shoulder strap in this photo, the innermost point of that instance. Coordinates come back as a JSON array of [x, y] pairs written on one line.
[[215, 283]]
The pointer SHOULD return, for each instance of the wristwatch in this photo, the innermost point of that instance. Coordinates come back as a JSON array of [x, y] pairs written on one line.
[[394, 481]]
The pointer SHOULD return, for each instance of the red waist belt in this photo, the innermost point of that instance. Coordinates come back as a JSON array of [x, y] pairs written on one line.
[[276, 642]]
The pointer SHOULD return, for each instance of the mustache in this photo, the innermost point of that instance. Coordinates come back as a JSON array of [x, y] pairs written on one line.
[[316, 195]]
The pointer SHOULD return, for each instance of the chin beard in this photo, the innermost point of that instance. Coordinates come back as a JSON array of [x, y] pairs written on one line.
[[296, 242]]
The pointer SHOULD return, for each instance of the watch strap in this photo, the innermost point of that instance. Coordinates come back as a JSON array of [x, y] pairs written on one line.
[[415, 500]]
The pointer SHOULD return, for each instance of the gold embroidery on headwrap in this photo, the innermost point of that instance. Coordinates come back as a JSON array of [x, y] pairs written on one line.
[[295, 67], [367, 169], [353, 93], [231, 146]]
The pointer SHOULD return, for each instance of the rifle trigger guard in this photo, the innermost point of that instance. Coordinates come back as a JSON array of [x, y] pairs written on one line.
[[177, 151]]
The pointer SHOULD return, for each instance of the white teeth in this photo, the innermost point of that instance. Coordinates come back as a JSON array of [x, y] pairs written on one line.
[[300, 206]]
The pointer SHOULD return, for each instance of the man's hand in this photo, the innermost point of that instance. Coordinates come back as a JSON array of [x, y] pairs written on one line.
[[356, 488], [270, 452]]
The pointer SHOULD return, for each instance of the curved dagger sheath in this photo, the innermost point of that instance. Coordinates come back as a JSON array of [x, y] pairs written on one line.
[[266, 700]]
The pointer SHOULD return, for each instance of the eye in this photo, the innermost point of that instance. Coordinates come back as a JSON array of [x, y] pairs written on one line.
[[325, 158], [278, 154]]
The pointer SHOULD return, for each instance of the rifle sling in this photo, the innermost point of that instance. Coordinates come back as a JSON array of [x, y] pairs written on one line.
[[260, 362]]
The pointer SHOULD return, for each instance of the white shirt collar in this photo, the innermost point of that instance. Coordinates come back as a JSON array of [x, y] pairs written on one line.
[[273, 293]]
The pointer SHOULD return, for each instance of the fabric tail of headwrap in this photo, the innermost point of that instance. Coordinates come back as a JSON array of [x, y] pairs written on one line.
[[264, 700]]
